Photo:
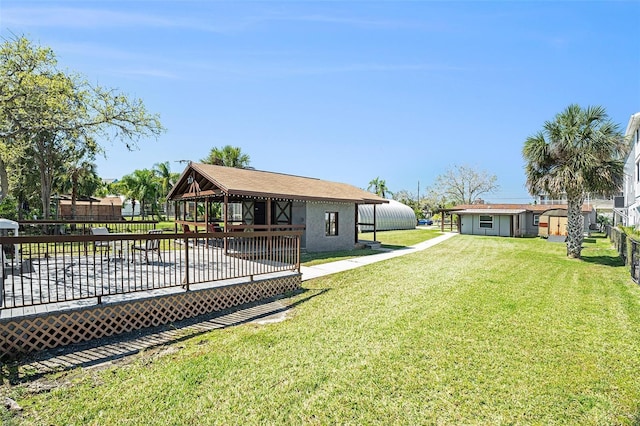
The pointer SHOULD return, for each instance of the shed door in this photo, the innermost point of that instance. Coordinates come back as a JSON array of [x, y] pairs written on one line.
[[557, 225]]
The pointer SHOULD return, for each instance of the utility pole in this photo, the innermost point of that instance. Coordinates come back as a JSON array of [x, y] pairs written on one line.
[[419, 196]]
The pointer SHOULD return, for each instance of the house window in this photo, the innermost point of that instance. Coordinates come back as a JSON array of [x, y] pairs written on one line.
[[331, 223], [536, 219], [638, 171], [486, 221]]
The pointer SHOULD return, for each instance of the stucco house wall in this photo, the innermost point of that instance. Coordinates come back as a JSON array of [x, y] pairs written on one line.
[[501, 225], [530, 223], [315, 238]]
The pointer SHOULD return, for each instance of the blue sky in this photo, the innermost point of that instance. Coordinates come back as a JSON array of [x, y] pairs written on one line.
[[347, 91]]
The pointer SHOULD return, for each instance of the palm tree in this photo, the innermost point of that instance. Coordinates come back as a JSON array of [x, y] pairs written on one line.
[[127, 186], [379, 187], [229, 156], [141, 185], [77, 173], [166, 179], [580, 151], [84, 182]]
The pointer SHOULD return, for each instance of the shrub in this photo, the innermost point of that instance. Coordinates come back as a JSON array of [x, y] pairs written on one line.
[[9, 208]]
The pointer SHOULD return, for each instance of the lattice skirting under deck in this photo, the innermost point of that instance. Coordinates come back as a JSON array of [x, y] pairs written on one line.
[[51, 330]]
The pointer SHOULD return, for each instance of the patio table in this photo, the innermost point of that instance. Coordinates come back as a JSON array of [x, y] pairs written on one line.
[[120, 248]]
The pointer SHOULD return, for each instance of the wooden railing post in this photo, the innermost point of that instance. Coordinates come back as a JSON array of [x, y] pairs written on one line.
[[185, 282]]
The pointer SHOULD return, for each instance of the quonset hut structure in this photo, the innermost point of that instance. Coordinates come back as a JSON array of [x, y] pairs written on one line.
[[391, 216]]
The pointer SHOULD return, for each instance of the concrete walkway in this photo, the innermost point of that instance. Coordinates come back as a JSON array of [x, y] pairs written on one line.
[[311, 272]]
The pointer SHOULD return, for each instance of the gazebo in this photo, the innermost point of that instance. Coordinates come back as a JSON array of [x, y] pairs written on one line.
[[212, 198]]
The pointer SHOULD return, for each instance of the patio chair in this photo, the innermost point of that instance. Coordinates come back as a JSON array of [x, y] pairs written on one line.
[[101, 231], [151, 245], [213, 228]]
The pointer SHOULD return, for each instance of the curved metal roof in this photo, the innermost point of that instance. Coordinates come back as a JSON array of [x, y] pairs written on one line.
[[393, 215]]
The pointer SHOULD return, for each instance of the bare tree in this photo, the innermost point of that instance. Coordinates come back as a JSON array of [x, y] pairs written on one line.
[[464, 185]]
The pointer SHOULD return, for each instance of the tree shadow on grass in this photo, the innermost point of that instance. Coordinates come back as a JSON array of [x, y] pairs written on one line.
[[610, 260], [604, 260]]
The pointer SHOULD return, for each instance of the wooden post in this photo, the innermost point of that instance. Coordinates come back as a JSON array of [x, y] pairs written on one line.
[[207, 206], [185, 281], [268, 212], [225, 214], [375, 227], [269, 227], [356, 227]]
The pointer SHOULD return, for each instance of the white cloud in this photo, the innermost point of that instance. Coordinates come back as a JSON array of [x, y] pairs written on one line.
[[87, 18]]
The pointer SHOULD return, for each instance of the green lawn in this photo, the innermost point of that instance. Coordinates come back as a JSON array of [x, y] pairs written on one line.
[[475, 330], [401, 238], [388, 239]]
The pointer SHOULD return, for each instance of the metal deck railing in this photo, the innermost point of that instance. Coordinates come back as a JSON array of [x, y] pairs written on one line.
[[50, 269]]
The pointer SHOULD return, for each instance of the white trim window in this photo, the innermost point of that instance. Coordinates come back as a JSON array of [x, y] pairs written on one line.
[[536, 219], [331, 224], [486, 221]]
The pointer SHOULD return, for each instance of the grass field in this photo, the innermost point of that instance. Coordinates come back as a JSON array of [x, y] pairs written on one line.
[[475, 330]]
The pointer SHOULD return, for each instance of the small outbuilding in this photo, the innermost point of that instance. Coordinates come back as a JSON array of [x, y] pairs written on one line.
[[388, 217], [553, 222], [227, 198], [90, 208], [513, 220]]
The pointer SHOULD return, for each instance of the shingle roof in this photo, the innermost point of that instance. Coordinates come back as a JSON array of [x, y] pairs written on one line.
[[107, 201], [218, 180], [492, 211], [536, 208]]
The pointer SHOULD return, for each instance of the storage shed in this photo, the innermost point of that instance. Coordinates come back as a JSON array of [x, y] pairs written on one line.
[[393, 215], [91, 208], [553, 222]]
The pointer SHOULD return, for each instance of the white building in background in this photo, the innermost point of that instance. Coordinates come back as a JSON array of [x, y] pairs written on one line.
[[603, 204], [127, 207], [627, 209]]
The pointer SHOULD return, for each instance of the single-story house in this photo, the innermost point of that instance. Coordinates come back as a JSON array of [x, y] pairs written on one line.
[[509, 220], [249, 199]]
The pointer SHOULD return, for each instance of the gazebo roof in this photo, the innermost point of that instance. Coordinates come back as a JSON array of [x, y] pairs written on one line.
[[205, 180]]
